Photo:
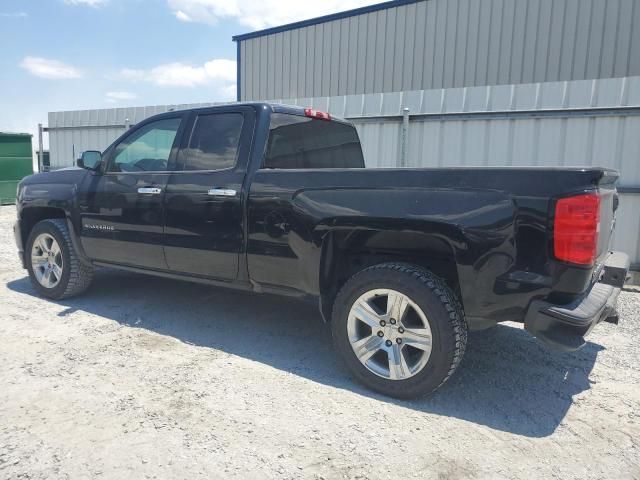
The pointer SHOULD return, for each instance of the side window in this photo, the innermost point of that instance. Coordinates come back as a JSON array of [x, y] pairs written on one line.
[[214, 142], [302, 142], [147, 149]]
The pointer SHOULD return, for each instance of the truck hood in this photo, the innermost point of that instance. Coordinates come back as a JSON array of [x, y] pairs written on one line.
[[72, 175]]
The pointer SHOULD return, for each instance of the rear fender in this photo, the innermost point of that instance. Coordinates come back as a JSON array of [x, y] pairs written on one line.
[[466, 236], [346, 251]]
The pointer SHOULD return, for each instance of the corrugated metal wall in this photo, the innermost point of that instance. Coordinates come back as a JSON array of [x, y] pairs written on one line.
[[73, 132], [588, 122], [444, 44]]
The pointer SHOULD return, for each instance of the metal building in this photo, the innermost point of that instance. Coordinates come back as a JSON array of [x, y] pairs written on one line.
[[576, 123], [425, 44], [16, 162], [470, 82], [447, 83]]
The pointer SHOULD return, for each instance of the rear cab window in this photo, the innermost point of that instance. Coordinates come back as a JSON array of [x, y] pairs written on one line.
[[299, 142]]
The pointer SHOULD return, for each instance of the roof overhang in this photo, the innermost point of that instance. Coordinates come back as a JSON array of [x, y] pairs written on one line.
[[324, 19]]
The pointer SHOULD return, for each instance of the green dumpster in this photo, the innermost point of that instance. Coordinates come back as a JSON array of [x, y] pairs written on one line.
[[16, 162]]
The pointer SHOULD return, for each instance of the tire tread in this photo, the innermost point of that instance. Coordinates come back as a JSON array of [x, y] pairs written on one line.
[[438, 287], [80, 275]]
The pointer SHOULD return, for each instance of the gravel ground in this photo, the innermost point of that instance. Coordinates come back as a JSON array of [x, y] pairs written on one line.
[[151, 378]]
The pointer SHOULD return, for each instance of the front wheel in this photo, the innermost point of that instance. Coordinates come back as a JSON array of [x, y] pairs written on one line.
[[399, 329], [54, 267]]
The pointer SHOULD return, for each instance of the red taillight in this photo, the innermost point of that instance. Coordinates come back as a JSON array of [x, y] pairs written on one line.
[[310, 112], [576, 227]]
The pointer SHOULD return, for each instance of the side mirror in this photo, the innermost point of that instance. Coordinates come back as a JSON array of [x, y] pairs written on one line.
[[90, 160]]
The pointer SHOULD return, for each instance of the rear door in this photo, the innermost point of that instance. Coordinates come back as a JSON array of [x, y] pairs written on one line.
[[299, 151], [122, 208], [204, 230]]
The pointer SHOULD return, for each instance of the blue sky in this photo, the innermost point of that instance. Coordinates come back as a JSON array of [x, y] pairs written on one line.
[[81, 54]]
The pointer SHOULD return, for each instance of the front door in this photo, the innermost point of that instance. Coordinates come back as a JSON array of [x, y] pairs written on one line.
[[203, 205], [122, 209]]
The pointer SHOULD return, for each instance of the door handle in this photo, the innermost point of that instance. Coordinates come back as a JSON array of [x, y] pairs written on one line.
[[222, 192], [150, 190]]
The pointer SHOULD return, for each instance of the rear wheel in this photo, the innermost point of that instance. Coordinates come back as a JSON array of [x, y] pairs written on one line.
[[54, 267], [399, 329]]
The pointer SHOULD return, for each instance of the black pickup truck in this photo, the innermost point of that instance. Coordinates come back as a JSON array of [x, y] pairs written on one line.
[[276, 199]]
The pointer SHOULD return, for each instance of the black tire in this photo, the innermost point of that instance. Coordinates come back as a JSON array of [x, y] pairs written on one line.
[[76, 276], [439, 304]]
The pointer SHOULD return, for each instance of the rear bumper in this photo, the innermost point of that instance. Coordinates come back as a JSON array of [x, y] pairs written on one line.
[[17, 234], [565, 326]]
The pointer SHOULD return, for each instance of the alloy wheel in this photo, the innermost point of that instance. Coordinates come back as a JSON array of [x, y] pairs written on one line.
[[46, 260], [390, 334]]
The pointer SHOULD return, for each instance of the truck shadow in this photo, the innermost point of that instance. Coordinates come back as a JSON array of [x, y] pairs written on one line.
[[507, 381]]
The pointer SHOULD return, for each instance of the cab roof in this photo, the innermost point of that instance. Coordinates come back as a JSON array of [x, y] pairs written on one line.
[[273, 107]]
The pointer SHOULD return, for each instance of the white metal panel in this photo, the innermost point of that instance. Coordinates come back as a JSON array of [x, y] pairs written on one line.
[[561, 139], [609, 141], [627, 233]]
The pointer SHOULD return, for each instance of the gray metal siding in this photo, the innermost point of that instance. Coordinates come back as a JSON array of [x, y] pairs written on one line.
[[446, 44], [501, 128]]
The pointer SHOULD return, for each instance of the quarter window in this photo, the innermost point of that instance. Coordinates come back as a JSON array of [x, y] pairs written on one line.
[[146, 149], [214, 142]]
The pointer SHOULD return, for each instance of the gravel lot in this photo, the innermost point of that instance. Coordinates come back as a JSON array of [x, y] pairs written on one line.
[[151, 378]]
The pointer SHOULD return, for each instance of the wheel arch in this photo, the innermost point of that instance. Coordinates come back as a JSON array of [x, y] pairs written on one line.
[[30, 216], [344, 253], [74, 276]]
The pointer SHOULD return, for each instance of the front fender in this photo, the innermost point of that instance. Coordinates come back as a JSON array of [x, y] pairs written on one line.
[[38, 201]]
